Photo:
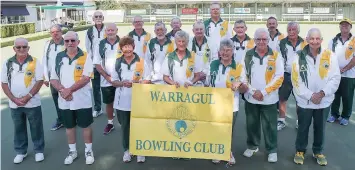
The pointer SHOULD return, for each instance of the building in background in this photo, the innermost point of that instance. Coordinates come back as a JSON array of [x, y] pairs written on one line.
[[18, 11], [249, 10]]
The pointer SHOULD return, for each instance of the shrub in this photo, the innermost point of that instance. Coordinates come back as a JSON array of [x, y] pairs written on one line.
[[10, 30]]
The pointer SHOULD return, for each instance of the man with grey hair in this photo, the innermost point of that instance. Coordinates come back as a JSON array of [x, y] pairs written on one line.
[[52, 48], [21, 79], [264, 71], [140, 36], [199, 45], [176, 26], [216, 28], [315, 78], [104, 59], [241, 40], [70, 76], [343, 45], [93, 37], [158, 48], [288, 48]]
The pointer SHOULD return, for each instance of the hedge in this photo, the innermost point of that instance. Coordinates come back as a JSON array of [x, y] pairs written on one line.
[[44, 35], [10, 30]]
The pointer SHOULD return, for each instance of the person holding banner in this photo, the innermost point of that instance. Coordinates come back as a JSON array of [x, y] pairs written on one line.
[[198, 44], [140, 36], [227, 73], [105, 55], [315, 78], [216, 28], [264, 71], [176, 26], [181, 67], [129, 68], [158, 48]]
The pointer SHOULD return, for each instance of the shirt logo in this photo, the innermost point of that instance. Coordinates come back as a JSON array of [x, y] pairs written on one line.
[[78, 67], [325, 64], [29, 73], [181, 123], [270, 68]]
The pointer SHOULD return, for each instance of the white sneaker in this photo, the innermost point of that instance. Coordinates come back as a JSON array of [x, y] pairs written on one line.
[[140, 159], [89, 156], [39, 157], [127, 157], [272, 158], [249, 152], [216, 161], [72, 155], [231, 160], [97, 113], [19, 158]]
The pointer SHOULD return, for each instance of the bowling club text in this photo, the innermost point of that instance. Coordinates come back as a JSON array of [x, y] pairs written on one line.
[[173, 146]]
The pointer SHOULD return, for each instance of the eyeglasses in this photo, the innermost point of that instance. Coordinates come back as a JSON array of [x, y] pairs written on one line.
[[98, 16], [262, 39], [19, 47], [67, 41]]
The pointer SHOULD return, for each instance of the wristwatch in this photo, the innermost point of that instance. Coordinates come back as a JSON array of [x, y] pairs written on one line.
[[30, 95]]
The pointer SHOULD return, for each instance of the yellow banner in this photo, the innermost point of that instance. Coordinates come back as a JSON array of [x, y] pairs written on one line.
[[179, 122]]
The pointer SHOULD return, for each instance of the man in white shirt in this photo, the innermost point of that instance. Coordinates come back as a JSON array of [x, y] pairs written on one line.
[[158, 48], [264, 71], [288, 48], [176, 26], [104, 59], [71, 76], [21, 79], [216, 28], [315, 78], [93, 37], [52, 48], [140, 36], [343, 45], [275, 35]]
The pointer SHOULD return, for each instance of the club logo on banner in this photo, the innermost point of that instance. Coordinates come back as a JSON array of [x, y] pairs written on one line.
[[177, 122], [180, 122]]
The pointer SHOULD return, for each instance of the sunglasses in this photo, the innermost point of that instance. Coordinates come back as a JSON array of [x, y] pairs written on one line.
[[67, 41], [19, 47], [98, 16]]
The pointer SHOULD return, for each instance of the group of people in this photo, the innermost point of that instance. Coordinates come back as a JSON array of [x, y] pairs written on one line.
[[263, 71]]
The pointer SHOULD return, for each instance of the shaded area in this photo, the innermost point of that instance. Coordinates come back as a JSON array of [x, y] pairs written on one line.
[[108, 151]]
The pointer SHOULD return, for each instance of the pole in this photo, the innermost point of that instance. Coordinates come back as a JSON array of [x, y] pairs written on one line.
[[40, 12]]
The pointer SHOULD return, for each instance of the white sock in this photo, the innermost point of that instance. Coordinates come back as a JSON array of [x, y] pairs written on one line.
[[88, 147], [282, 119], [110, 122], [72, 147]]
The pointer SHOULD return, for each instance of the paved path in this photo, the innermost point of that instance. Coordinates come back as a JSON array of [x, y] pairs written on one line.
[[339, 145]]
